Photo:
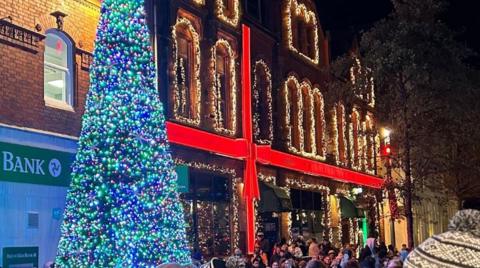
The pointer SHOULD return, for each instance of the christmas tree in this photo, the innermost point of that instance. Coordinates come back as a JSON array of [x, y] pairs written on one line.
[[123, 208]]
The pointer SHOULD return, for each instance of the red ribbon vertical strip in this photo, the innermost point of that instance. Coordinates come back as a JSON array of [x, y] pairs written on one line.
[[251, 191]]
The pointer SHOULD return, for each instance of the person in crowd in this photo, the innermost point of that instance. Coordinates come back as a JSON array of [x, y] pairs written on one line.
[[347, 256], [275, 264], [337, 260], [391, 251], [313, 248], [331, 254], [326, 246], [315, 263], [382, 246], [352, 264], [302, 245], [236, 260], [261, 255], [394, 263], [301, 264], [263, 243], [257, 263], [327, 261], [298, 253], [276, 256], [403, 252], [460, 245], [368, 257]]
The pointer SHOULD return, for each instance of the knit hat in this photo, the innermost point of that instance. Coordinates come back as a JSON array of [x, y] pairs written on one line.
[[458, 247]]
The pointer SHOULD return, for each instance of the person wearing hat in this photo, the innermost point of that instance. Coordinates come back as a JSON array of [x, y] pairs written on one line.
[[458, 247], [263, 244]]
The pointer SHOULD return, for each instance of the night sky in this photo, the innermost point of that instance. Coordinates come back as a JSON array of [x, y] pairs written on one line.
[[345, 18]]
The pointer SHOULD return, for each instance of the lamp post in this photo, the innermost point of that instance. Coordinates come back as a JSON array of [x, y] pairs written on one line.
[[387, 151]]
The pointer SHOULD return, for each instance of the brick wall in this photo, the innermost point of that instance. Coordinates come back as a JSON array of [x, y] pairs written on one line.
[[21, 72]]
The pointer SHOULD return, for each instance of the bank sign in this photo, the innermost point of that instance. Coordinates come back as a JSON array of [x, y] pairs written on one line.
[[34, 165]]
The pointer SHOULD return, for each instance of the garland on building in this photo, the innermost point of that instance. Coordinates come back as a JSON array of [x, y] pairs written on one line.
[[179, 90], [362, 82], [215, 94], [355, 135], [287, 123], [123, 208], [261, 65], [295, 11], [231, 17], [336, 138]]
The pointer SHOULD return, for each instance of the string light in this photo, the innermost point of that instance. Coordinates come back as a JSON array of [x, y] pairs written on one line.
[[365, 92], [199, 2], [261, 65], [235, 202], [267, 178], [231, 17], [297, 87], [215, 94], [339, 152], [369, 142], [123, 208], [295, 11], [177, 89], [355, 137]]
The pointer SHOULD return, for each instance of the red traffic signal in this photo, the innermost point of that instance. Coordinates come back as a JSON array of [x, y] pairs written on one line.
[[387, 150]]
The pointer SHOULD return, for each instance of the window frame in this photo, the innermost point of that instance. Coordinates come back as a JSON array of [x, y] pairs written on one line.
[[69, 102]]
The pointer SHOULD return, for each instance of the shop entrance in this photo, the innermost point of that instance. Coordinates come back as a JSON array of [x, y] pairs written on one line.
[[207, 212]]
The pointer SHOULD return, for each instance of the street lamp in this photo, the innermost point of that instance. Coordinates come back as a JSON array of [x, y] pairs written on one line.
[[387, 152]]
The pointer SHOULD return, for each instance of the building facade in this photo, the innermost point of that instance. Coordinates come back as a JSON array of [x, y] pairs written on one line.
[[314, 152]]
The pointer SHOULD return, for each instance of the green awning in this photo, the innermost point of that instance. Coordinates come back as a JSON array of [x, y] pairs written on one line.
[[273, 199], [349, 210]]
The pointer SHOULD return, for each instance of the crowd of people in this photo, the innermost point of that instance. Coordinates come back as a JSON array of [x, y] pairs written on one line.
[[313, 254]]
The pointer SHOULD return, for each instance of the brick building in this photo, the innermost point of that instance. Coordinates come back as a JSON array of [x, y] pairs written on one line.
[[328, 144]]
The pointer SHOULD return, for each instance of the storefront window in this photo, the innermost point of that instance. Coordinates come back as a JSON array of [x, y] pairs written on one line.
[[307, 213], [207, 209]]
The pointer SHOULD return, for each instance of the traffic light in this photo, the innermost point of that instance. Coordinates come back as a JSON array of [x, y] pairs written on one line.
[[387, 150]]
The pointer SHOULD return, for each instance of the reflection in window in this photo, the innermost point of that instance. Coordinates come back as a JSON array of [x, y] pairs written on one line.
[[207, 212], [307, 213], [58, 68]]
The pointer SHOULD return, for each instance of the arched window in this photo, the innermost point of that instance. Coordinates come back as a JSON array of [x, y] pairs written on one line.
[[262, 97], [354, 139], [294, 96], [370, 143], [228, 11], [307, 120], [339, 115], [301, 30], [186, 93], [224, 87], [58, 70], [319, 123]]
